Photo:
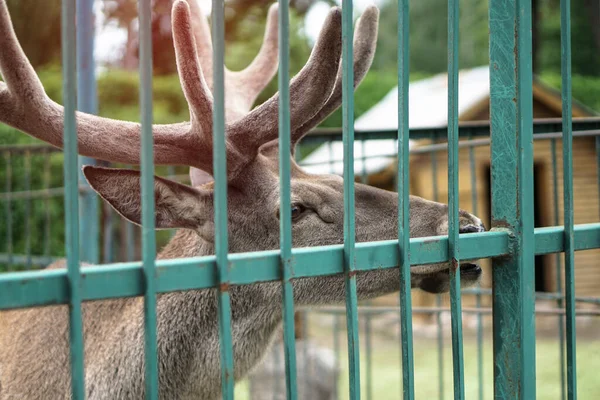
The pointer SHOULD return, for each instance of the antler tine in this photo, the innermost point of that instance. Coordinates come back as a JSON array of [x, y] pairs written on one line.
[[191, 77], [309, 90], [16, 70], [242, 87], [365, 41], [262, 69], [203, 39], [25, 106]]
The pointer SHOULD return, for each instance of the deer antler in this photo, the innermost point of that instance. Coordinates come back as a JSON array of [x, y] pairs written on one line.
[[242, 87], [365, 41], [25, 106]]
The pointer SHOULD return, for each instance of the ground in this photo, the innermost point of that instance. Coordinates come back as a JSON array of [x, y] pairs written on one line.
[[386, 372]]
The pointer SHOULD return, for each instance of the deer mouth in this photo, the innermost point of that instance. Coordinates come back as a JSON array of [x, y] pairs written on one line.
[[439, 282]]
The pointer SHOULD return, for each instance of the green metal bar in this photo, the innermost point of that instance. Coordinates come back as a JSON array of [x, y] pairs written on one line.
[[565, 46], [8, 208], [31, 288], [404, 250], [541, 126], [47, 219], [27, 188], [87, 102], [147, 180], [108, 236], [438, 298], [453, 200], [369, 354], [559, 301], [73, 288], [512, 198], [349, 217], [598, 169], [475, 210], [367, 318], [285, 214], [129, 240], [220, 200]]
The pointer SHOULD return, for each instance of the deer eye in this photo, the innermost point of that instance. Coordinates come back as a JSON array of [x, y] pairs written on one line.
[[297, 210]]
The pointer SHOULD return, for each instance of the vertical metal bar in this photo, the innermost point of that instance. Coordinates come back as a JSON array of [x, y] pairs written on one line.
[[438, 297], [567, 128], [71, 206], [559, 300], [285, 214], [87, 102], [453, 199], [27, 188], [129, 241], [406, 330], [598, 169], [47, 219], [512, 197], [8, 209], [349, 217], [369, 355], [220, 201], [336, 339], [475, 210], [367, 317], [147, 179], [108, 235], [129, 238]]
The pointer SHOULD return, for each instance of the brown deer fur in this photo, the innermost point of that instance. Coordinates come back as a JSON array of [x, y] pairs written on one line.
[[34, 348]]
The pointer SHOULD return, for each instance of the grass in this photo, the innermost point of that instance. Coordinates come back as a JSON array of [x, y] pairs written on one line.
[[386, 370]]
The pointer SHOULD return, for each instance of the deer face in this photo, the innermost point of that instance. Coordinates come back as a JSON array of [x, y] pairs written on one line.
[[253, 184], [317, 212]]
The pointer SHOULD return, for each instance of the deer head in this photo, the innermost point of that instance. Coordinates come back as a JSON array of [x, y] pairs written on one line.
[[251, 145], [253, 195]]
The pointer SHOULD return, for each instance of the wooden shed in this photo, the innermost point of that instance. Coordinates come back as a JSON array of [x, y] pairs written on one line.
[[428, 171]]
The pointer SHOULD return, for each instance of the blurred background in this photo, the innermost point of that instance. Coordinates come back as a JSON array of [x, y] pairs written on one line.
[[31, 178]]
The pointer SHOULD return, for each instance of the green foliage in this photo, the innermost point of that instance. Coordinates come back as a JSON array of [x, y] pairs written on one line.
[[585, 89], [23, 173], [428, 36], [38, 29], [585, 57]]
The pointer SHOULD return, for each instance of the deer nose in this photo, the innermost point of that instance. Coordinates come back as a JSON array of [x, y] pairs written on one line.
[[472, 229]]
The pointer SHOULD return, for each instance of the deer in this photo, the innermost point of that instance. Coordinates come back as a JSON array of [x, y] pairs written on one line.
[[34, 342]]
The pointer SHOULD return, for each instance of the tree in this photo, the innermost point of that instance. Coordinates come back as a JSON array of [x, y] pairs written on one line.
[[243, 19], [42, 44], [428, 36]]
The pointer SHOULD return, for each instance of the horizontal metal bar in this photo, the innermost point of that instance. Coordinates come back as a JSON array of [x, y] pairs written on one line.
[[38, 261], [538, 295], [31, 288], [375, 310], [486, 141], [465, 129]]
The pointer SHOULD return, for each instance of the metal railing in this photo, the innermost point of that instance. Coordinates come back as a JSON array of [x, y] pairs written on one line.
[[512, 243]]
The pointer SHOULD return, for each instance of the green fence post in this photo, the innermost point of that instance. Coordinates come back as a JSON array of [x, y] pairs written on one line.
[[147, 180], [71, 207], [408, 386], [567, 131], [220, 199], [285, 217], [512, 197], [453, 198], [349, 217], [89, 227]]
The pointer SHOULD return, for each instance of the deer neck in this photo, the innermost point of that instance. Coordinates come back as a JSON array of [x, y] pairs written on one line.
[[188, 326]]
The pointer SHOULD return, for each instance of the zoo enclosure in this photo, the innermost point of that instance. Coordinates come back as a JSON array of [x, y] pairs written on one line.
[[512, 243]]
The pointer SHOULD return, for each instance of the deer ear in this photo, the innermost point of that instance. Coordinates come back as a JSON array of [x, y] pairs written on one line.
[[176, 205]]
